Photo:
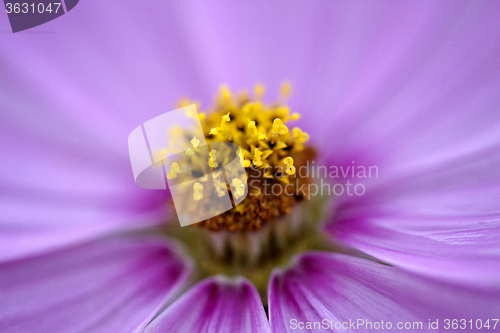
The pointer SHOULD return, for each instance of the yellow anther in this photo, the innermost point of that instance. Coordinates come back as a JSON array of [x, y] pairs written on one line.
[[251, 125], [225, 93], [260, 136], [219, 187], [225, 119], [238, 188], [286, 89], [212, 160], [290, 169], [189, 151], [243, 161], [259, 91], [257, 161], [300, 136], [174, 168], [198, 191], [279, 127], [295, 116], [195, 142]]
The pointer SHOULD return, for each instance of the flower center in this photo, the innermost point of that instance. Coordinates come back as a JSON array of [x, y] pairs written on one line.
[[269, 150], [276, 219]]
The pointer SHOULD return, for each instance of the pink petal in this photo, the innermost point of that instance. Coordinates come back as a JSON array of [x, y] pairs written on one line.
[[60, 184], [109, 285], [411, 89], [342, 288], [214, 305], [444, 222]]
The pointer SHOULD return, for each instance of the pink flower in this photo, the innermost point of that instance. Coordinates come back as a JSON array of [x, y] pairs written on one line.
[[412, 88]]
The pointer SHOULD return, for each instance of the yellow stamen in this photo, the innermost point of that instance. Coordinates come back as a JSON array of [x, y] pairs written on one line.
[[212, 160], [260, 136], [195, 142], [251, 125], [225, 93], [257, 157], [218, 184], [300, 136], [225, 119], [279, 127], [243, 161], [259, 91], [290, 169], [198, 191], [174, 168], [238, 188], [286, 89]]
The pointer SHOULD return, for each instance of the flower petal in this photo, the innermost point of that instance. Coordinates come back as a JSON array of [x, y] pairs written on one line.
[[214, 305], [340, 288], [110, 285], [444, 222], [414, 89], [60, 184]]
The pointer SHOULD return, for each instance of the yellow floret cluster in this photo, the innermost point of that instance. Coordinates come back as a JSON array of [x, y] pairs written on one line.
[[271, 148]]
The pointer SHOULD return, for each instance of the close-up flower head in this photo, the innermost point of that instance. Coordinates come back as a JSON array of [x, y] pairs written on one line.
[[249, 166]]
